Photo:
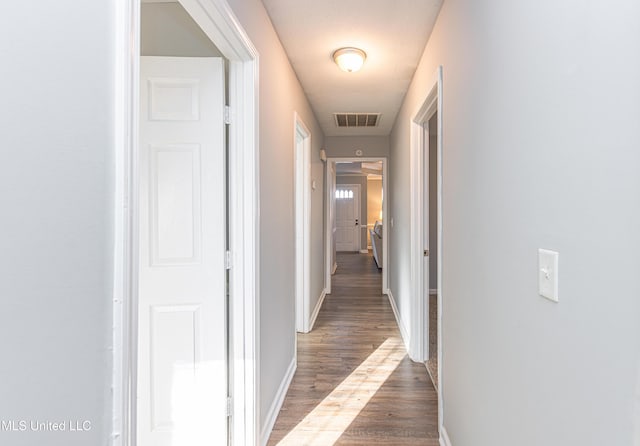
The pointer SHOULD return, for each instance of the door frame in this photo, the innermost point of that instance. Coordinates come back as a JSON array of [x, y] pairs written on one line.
[[219, 23], [302, 200], [358, 187], [418, 349], [329, 212]]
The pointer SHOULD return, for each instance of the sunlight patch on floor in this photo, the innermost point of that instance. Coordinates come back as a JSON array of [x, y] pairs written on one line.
[[324, 425]]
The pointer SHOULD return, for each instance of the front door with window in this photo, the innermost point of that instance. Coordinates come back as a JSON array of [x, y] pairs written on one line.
[[347, 217]]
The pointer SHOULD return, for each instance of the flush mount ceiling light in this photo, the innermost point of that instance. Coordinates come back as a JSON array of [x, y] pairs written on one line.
[[349, 59]]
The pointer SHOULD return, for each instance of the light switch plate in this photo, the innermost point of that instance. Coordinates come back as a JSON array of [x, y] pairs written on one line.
[[548, 274]]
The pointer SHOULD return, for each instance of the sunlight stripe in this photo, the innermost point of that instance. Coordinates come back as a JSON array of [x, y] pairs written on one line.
[[324, 425]]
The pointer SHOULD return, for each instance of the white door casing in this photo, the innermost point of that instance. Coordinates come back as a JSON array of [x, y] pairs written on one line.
[[182, 355], [333, 225], [330, 219], [330, 265], [333, 261], [419, 321], [220, 24], [347, 198], [302, 157]]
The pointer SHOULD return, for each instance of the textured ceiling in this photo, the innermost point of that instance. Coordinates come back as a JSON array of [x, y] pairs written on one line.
[[393, 33]]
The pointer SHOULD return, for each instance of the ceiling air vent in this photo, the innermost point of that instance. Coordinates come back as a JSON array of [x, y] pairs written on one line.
[[357, 119]]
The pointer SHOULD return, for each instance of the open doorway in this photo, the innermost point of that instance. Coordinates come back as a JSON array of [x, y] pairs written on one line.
[[187, 236], [430, 208], [355, 209], [426, 235], [183, 319]]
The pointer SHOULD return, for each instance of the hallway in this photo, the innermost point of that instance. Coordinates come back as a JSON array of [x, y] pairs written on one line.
[[354, 384]]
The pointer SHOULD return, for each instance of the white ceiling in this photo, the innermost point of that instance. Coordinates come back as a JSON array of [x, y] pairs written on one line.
[[393, 33]]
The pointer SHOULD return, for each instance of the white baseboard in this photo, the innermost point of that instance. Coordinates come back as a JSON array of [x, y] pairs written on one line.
[[396, 313], [335, 267], [433, 291], [316, 310], [364, 251], [444, 437], [274, 410]]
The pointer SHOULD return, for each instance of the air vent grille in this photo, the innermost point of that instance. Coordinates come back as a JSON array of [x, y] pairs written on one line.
[[357, 119]]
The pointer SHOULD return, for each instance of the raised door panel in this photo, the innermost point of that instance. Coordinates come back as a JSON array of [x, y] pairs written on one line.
[[175, 345], [174, 99], [175, 204]]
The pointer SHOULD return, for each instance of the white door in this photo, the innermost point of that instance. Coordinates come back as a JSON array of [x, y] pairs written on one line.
[[182, 355], [348, 217]]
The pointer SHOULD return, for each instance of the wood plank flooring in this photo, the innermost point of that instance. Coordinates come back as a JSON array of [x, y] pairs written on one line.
[[432, 362], [354, 384]]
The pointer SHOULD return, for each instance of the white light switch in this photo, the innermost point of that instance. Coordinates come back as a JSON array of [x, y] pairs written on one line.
[[548, 274]]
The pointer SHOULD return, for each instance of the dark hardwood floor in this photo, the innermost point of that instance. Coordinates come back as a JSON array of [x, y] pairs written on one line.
[[354, 384]]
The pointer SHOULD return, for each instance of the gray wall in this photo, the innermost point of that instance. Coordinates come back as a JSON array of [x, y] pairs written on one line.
[[56, 190], [166, 29], [56, 187], [541, 137], [433, 202], [346, 146], [362, 181], [280, 96]]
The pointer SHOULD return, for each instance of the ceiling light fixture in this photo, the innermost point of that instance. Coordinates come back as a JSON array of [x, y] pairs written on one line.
[[349, 59]]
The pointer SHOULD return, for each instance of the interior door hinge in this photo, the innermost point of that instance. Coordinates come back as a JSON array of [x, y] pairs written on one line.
[[227, 260], [229, 406], [227, 114], [426, 253]]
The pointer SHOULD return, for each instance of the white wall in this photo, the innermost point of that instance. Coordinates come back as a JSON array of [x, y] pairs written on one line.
[[280, 96], [541, 136], [346, 146], [56, 190]]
